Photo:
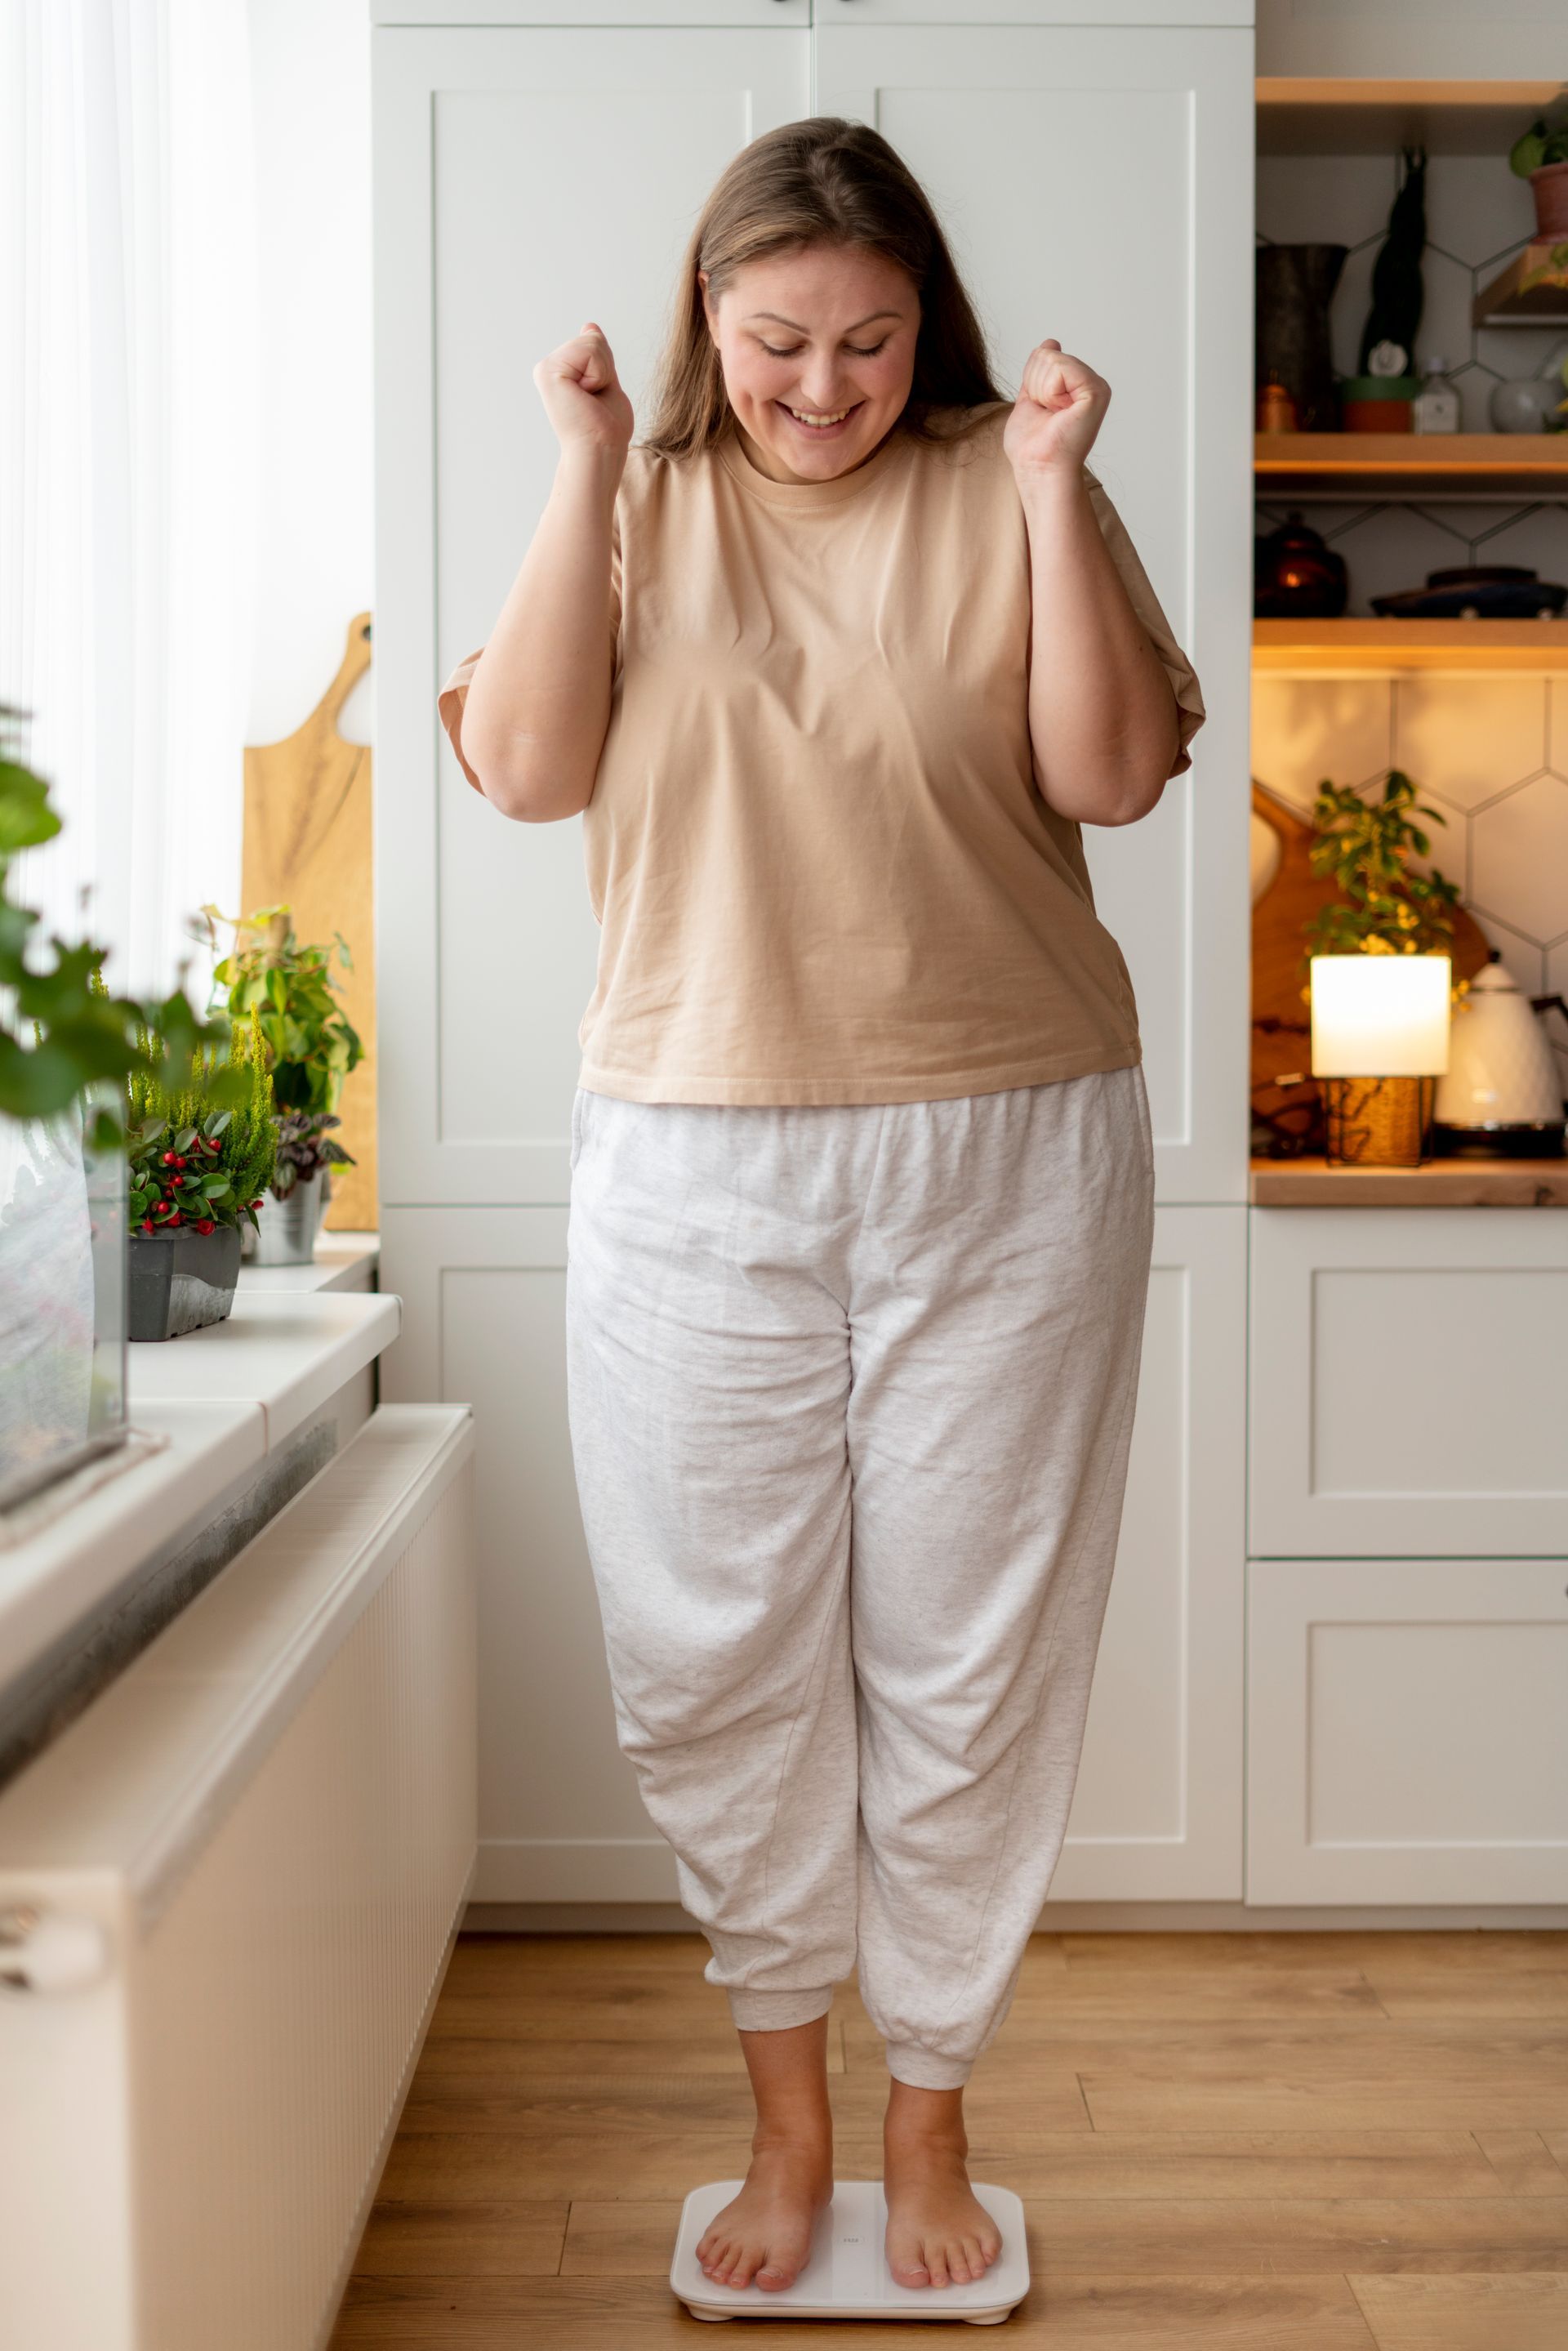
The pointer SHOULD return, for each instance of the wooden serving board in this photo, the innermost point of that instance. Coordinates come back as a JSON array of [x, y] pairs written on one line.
[[308, 845]]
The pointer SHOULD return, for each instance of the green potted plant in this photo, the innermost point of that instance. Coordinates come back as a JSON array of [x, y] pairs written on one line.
[[288, 986], [1382, 909], [1365, 846], [1541, 156], [67, 1046], [201, 1154]]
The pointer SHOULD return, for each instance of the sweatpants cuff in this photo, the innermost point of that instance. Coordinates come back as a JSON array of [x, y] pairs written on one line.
[[776, 2011], [923, 2069]]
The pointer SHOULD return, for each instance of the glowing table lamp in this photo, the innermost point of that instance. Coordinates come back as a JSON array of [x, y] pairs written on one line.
[[1379, 1044]]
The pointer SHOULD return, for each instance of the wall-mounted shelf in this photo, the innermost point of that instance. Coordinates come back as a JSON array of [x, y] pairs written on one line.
[[1436, 1184], [1319, 648], [1411, 465], [1507, 301], [1297, 116]]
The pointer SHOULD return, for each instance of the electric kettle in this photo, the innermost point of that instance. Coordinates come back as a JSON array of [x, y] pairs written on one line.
[[1501, 1093]]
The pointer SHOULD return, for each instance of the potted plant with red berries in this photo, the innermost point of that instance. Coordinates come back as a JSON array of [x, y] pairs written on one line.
[[201, 1159]]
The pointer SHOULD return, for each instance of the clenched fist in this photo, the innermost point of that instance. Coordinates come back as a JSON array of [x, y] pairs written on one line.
[[582, 394], [1060, 408]]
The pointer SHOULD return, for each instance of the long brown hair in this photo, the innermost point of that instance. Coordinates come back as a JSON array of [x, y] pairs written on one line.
[[823, 180]]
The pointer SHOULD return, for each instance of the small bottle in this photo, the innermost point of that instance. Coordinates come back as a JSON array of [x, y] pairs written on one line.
[[1436, 407]]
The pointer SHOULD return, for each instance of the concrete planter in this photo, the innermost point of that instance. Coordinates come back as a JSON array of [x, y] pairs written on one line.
[[181, 1281], [287, 1229]]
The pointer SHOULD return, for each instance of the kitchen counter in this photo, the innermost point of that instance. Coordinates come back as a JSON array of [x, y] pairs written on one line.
[[1436, 1184]]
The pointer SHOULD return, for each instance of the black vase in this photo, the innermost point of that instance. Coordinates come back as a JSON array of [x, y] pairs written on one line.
[[1296, 576], [1295, 284]]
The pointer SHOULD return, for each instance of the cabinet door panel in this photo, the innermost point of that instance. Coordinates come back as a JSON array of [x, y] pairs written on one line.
[[560, 1819], [572, 13], [961, 13], [1157, 1812], [1406, 1381], [524, 181], [1096, 186], [1408, 1730]]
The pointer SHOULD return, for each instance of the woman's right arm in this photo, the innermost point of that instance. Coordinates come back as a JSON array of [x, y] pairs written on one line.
[[538, 702]]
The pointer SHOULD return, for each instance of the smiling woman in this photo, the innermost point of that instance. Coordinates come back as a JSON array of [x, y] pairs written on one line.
[[820, 384], [836, 661]]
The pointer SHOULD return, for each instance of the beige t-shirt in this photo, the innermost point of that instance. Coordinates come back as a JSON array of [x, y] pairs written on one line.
[[820, 860]]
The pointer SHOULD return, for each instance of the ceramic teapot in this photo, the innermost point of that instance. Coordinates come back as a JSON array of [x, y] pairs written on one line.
[[1502, 1090]]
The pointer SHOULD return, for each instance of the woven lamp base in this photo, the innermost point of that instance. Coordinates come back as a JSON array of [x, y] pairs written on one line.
[[1377, 1122]]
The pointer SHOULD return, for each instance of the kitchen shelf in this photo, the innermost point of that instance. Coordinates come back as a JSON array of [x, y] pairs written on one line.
[[1306, 648], [1299, 116], [1505, 303], [1436, 1184], [1411, 465]]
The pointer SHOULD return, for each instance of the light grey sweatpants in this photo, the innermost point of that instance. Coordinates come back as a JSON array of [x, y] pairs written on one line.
[[851, 1390]]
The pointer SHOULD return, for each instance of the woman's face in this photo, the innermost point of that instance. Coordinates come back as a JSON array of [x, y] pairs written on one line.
[[824, 332]]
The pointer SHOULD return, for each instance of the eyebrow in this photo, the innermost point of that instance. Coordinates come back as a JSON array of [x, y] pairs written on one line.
[[799, 330]]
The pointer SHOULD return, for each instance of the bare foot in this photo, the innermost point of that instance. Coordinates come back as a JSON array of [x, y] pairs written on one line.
[[762, 2236], [938, 2233]]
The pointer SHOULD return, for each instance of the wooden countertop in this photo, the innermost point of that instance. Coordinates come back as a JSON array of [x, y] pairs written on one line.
[[1436, 1184]]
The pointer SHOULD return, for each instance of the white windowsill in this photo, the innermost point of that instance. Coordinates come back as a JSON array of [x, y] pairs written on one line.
[[223, 1398]]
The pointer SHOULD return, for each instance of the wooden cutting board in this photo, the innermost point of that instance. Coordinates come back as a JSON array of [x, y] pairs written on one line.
[[308, 846]]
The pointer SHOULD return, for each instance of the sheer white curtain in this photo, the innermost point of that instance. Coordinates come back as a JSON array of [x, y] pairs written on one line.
[[127, 453]]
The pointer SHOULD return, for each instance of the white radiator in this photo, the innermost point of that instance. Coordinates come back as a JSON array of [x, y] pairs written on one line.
[[228, 1894]]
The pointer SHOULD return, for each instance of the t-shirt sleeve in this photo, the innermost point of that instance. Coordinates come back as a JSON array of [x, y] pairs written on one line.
[[450, 702], [1146, 604], [453, 695]]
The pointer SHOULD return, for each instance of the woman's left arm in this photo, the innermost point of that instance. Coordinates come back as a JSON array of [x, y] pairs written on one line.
[[1102, 716]]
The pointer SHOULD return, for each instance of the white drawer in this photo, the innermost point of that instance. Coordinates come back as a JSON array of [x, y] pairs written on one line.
[[1409, 1382], [1408, 1730]]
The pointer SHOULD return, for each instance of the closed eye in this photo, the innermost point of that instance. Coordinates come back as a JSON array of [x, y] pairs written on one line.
[[860, 351]]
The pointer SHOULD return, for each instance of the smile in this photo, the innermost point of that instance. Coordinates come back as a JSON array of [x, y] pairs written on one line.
[[811, 422]]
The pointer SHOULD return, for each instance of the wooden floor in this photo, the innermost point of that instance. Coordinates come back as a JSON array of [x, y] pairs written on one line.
[[1249, 2142]]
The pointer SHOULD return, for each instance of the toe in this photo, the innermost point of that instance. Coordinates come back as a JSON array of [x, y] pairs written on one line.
[[904, 2258], [774, 2276], [937, 2263]]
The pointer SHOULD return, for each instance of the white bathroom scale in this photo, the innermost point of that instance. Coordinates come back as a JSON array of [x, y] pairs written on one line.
[[847, 2274]]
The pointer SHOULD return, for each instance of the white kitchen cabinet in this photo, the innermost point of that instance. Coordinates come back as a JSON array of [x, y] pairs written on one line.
[[483, 1293], [525, 180], [1407, 1391], [1408, 1730], [1105, 14], [1098, 186], [533, 167], [1157, 1813], [527, 177]]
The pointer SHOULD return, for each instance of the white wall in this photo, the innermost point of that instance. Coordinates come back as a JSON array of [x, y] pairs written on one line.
[[310, 63]]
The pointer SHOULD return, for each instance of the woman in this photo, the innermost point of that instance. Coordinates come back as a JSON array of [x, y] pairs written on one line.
[[837, 663]]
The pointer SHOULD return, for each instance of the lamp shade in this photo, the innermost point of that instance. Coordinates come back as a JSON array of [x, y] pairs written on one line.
[[1380, 1015]]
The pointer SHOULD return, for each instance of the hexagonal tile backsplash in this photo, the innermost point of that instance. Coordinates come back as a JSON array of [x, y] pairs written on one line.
[[1491, 752]]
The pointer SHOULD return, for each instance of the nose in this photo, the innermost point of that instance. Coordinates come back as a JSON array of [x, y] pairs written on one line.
[[820, 393]]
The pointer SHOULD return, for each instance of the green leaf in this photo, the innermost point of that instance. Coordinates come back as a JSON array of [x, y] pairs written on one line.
[[1525, 155]]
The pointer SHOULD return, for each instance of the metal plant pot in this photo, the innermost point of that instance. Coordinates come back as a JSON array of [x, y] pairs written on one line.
[[181, 1281], [287, 1229]]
